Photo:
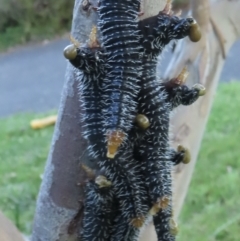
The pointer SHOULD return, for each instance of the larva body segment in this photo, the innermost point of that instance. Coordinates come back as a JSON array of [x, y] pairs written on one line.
[[180, 94], [98, 210], [159, 30], [128, 184], [90, 62], [162, 225], [122, 171], [119, 28], [154, 144], [123, 231], [156, 33]]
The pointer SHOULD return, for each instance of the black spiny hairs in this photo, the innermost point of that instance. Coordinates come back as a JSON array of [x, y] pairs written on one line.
[[128, 184], [111, 77], [180, 94], [124, 177], [152, 101], [119, 29], [89, 59], [99, 206], [154, 148]]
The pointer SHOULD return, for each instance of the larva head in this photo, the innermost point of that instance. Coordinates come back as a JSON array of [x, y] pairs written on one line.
[[200, 88], [70, 52], [138, 222], [173, 227], [114, 140], [142, 121], [187, 156], [194, 32], [102, 181], [172, 27]]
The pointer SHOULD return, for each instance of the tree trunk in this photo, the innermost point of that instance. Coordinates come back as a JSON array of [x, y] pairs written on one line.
[[59, 198]]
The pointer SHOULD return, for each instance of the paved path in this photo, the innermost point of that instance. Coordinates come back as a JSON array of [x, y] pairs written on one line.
[[31, 78]]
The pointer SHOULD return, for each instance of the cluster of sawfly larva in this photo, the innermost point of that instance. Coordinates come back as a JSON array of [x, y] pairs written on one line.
[[126, 113]]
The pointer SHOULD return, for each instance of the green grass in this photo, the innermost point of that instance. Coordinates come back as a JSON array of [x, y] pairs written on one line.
[[212, 207], [17, 36], [30, 20], [23, 152], [211, 211]]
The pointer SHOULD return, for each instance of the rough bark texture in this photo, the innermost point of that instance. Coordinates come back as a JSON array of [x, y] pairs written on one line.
[[58, 201], [60, 195]]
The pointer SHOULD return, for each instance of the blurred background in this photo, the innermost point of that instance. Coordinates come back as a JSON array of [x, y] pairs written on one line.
[[33, 34]]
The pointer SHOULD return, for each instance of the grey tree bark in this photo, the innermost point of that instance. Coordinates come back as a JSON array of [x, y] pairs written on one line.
[[59, 199]]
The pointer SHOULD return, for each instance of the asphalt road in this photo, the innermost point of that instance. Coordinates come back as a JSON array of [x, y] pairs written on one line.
[[31, 78]]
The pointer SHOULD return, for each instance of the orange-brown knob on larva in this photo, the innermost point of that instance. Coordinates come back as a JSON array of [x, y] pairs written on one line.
[[201, 88], [70, 52], [137, 222], [155, 209], [187, 155], [142, 121], [195, 32], [102, 181], [182, 77], [164, 202], [114, 140], [173, 227]]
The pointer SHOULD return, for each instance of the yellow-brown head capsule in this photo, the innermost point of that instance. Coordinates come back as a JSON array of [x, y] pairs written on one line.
[[173, 227], [187, 155], [102, 181], [155, 209], [114, 140], [70, 52], [195, 32], [201, 88], [142, 121]]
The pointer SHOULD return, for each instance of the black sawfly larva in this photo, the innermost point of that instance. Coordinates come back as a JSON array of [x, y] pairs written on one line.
[[98, 210], [119, 29]]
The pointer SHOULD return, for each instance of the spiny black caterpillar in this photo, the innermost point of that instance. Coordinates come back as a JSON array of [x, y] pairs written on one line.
[[155, 152], [119, 29], [152, 101], [90, 60], [112, 169], [124, 177], [124, 174], [99, 208]]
